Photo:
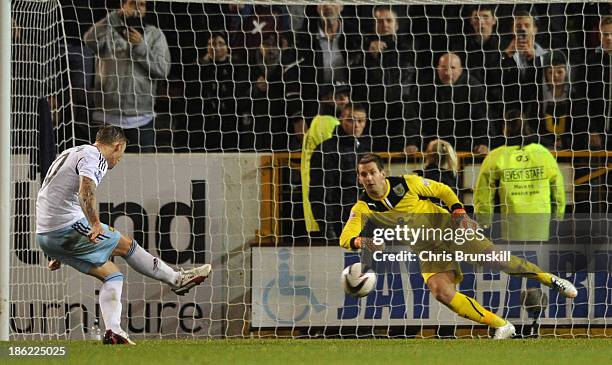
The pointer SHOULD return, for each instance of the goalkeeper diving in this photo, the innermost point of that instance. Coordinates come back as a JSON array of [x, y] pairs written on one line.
[[68, 229], [410, 196]]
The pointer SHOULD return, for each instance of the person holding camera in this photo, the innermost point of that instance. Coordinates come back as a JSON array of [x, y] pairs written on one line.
[[132, 56], [521, 63]]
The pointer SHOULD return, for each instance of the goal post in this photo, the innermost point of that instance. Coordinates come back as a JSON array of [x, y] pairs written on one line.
[[219, 100]]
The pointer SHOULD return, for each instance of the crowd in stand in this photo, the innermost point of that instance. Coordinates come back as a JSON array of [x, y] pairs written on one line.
[[458, 90], [252, 77]]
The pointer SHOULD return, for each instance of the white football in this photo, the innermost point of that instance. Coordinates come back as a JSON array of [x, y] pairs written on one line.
[[356, 283]]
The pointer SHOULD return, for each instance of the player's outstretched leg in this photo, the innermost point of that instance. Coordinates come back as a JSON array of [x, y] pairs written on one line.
[[190, 278], [442, 286], [180, 282], [110, 303], [520, 267], [505, 331]]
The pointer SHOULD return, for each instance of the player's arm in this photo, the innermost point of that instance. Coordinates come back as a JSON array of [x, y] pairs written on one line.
[[433, 189], [91, 169], [87, 199], [349, 239]]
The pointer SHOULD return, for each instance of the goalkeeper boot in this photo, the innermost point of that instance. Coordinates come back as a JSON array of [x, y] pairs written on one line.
[[112, 338], [564, 287], [505, 331], [191, 278]]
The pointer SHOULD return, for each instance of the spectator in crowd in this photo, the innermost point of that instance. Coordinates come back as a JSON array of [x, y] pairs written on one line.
[[297, 131], [563, 118], [521, 64], [483, 55], [482, 48], [247, 25], [216, 97], [389, 85], [132, 56], [325, 50], [333, 175], [441, 164], [274, 82], [265, 21], [333, 99], [321, 128], [527, 180], [230, 17], [599, 88], [454, 108]]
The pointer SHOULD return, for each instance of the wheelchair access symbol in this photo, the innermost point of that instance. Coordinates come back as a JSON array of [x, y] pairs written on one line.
[[291, 287]]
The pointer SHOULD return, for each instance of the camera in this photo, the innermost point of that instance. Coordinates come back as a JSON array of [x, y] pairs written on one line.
[[133, 22]]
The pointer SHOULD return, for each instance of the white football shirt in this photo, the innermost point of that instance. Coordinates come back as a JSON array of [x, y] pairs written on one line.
[[57, 205]]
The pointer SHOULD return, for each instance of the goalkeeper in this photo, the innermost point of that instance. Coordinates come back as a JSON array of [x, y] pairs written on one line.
[[409, 194]]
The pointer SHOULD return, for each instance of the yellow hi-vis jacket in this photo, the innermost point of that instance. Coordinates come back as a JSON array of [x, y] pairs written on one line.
[[321, 129], [530, 188]]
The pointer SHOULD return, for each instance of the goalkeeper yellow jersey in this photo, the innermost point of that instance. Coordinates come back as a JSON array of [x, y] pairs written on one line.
[[405, 194]]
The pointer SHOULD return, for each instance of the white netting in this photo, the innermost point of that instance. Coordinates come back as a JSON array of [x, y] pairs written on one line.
[[217, 98]]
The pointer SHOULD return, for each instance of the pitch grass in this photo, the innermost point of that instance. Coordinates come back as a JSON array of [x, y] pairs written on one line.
[[322, 352]]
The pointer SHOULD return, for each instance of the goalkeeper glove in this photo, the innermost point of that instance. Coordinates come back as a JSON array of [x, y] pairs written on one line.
[[366, 242], [462, 220]]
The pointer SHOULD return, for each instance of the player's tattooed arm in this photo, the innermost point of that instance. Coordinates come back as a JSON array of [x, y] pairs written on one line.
[[87, 199]]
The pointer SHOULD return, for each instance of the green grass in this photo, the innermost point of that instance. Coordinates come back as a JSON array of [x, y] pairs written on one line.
[[322, 352]]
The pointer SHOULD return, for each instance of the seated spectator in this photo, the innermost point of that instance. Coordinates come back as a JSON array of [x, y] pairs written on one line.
[[333, 174], [563, 119], [441, 164], [132, 56], [521, 64], [454, 108], [326, 51], [389, 84], [599, 88]]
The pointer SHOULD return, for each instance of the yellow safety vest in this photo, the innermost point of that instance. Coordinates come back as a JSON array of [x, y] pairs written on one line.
[[321, 129]]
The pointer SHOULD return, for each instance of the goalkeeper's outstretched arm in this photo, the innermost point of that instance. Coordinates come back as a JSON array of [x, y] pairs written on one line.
[[349, 239]]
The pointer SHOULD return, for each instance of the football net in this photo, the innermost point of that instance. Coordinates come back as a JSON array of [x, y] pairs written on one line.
[[224, 101]]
